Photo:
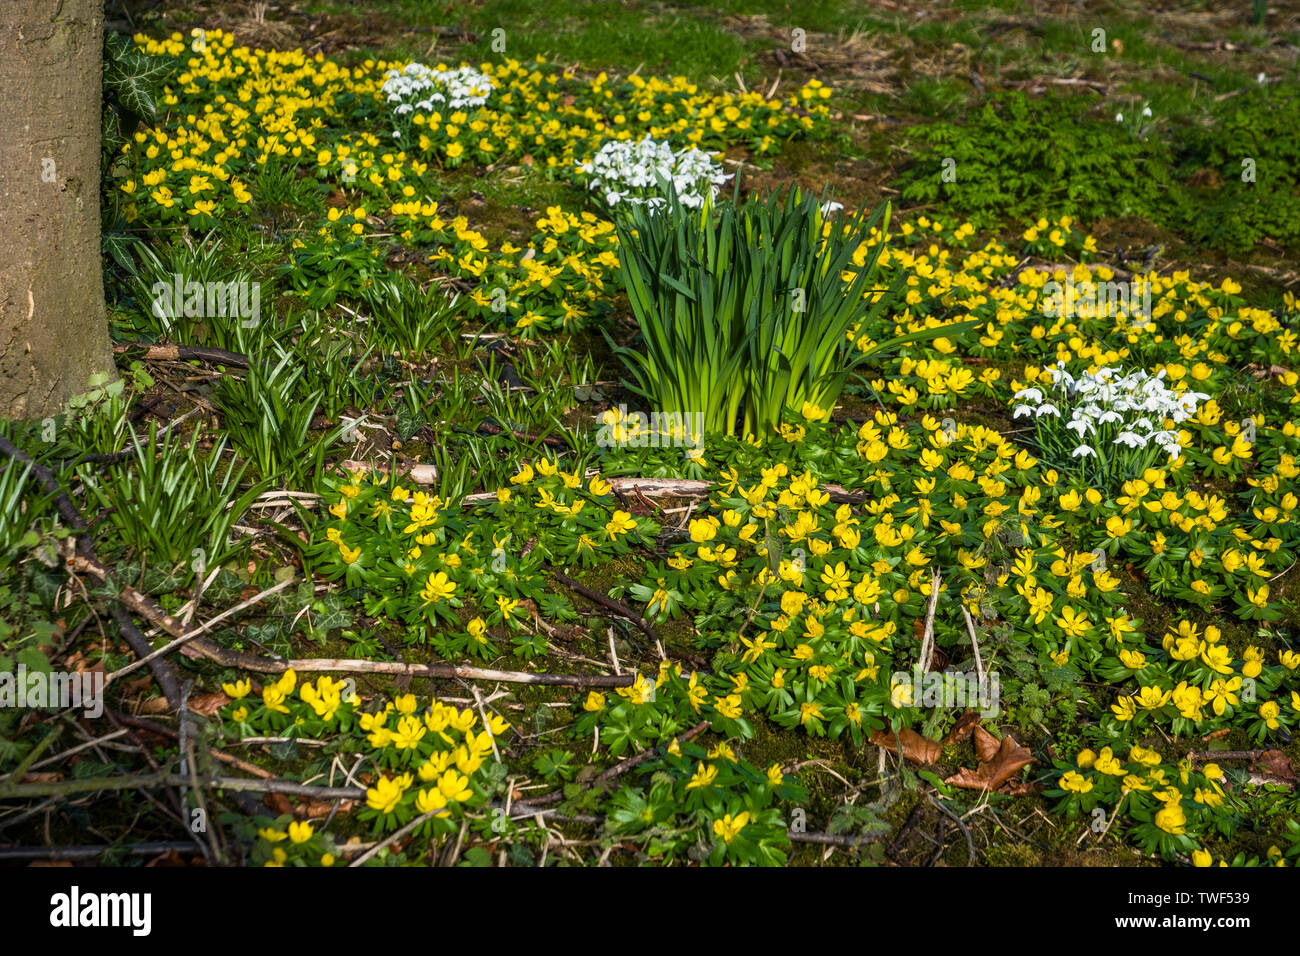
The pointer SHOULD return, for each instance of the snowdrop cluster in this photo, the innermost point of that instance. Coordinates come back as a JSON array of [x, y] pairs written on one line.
[[631, 172], [418, 87], [1107, 408]]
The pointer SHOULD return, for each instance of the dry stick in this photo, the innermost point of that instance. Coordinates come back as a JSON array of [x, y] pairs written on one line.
[[266, 665], [21, 770], [77, 749], [167, 648], [198, 647], [393, 838], [927, 639], [607, 602], [829, 839], [139, 723], [130, 450], [420, 474], [184, 353], [974, 643], [619, 768], [613, 654], [482, 712], [164, 779], [489, 428], [162, 670], [62, 853], [1226, 755], [662, 487], [970, 844]]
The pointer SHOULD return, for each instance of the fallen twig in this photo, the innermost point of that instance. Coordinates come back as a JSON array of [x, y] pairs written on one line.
[[161, 779], [970, 844], [64, 853], [394, 837], [927, 638], [185, 353], [609, 603], [201, 648], [613, 773], [167, 648]]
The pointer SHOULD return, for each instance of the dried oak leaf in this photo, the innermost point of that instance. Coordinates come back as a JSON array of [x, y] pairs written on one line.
[[278, 803], [1274, 763], [42, 776], [966, 723], [208, 704], [916, 748], [172, 858], [999, 762], [317, 809], [986, 745]]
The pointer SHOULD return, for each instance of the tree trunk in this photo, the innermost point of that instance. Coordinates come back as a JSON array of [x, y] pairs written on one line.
[[53, 329]]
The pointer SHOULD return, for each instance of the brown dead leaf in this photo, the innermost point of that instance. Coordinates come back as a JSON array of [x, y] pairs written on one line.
[[916, 748], [316, 809], [155, 705], [995, 769], [278, 803], [42, 776], [139, 685], [172, 858], [986, 745], [1273, 763], [966, 723], [207, 705], [1020, 789], [1217, 735]]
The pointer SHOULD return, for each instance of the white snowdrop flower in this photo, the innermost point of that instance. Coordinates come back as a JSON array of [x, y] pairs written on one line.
[[1031, 394], [831, 207], [1131, 439], [1119, 117], [1080, 425], [1146, 111], [623, 168], [1047, 409], [1261, 79], [1084, 451], [1022, 410]]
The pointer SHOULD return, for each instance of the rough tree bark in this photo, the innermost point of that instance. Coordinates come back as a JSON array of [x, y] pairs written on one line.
[[53, 328]]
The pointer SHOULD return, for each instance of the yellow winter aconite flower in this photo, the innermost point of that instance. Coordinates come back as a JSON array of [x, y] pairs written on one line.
[[703, 777], [728, 827], [387, 792], [1171, 819], [620, 523], [1075, 782], [438, 588]]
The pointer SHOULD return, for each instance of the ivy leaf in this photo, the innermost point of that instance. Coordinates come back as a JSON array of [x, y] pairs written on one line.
[[131, 77]]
